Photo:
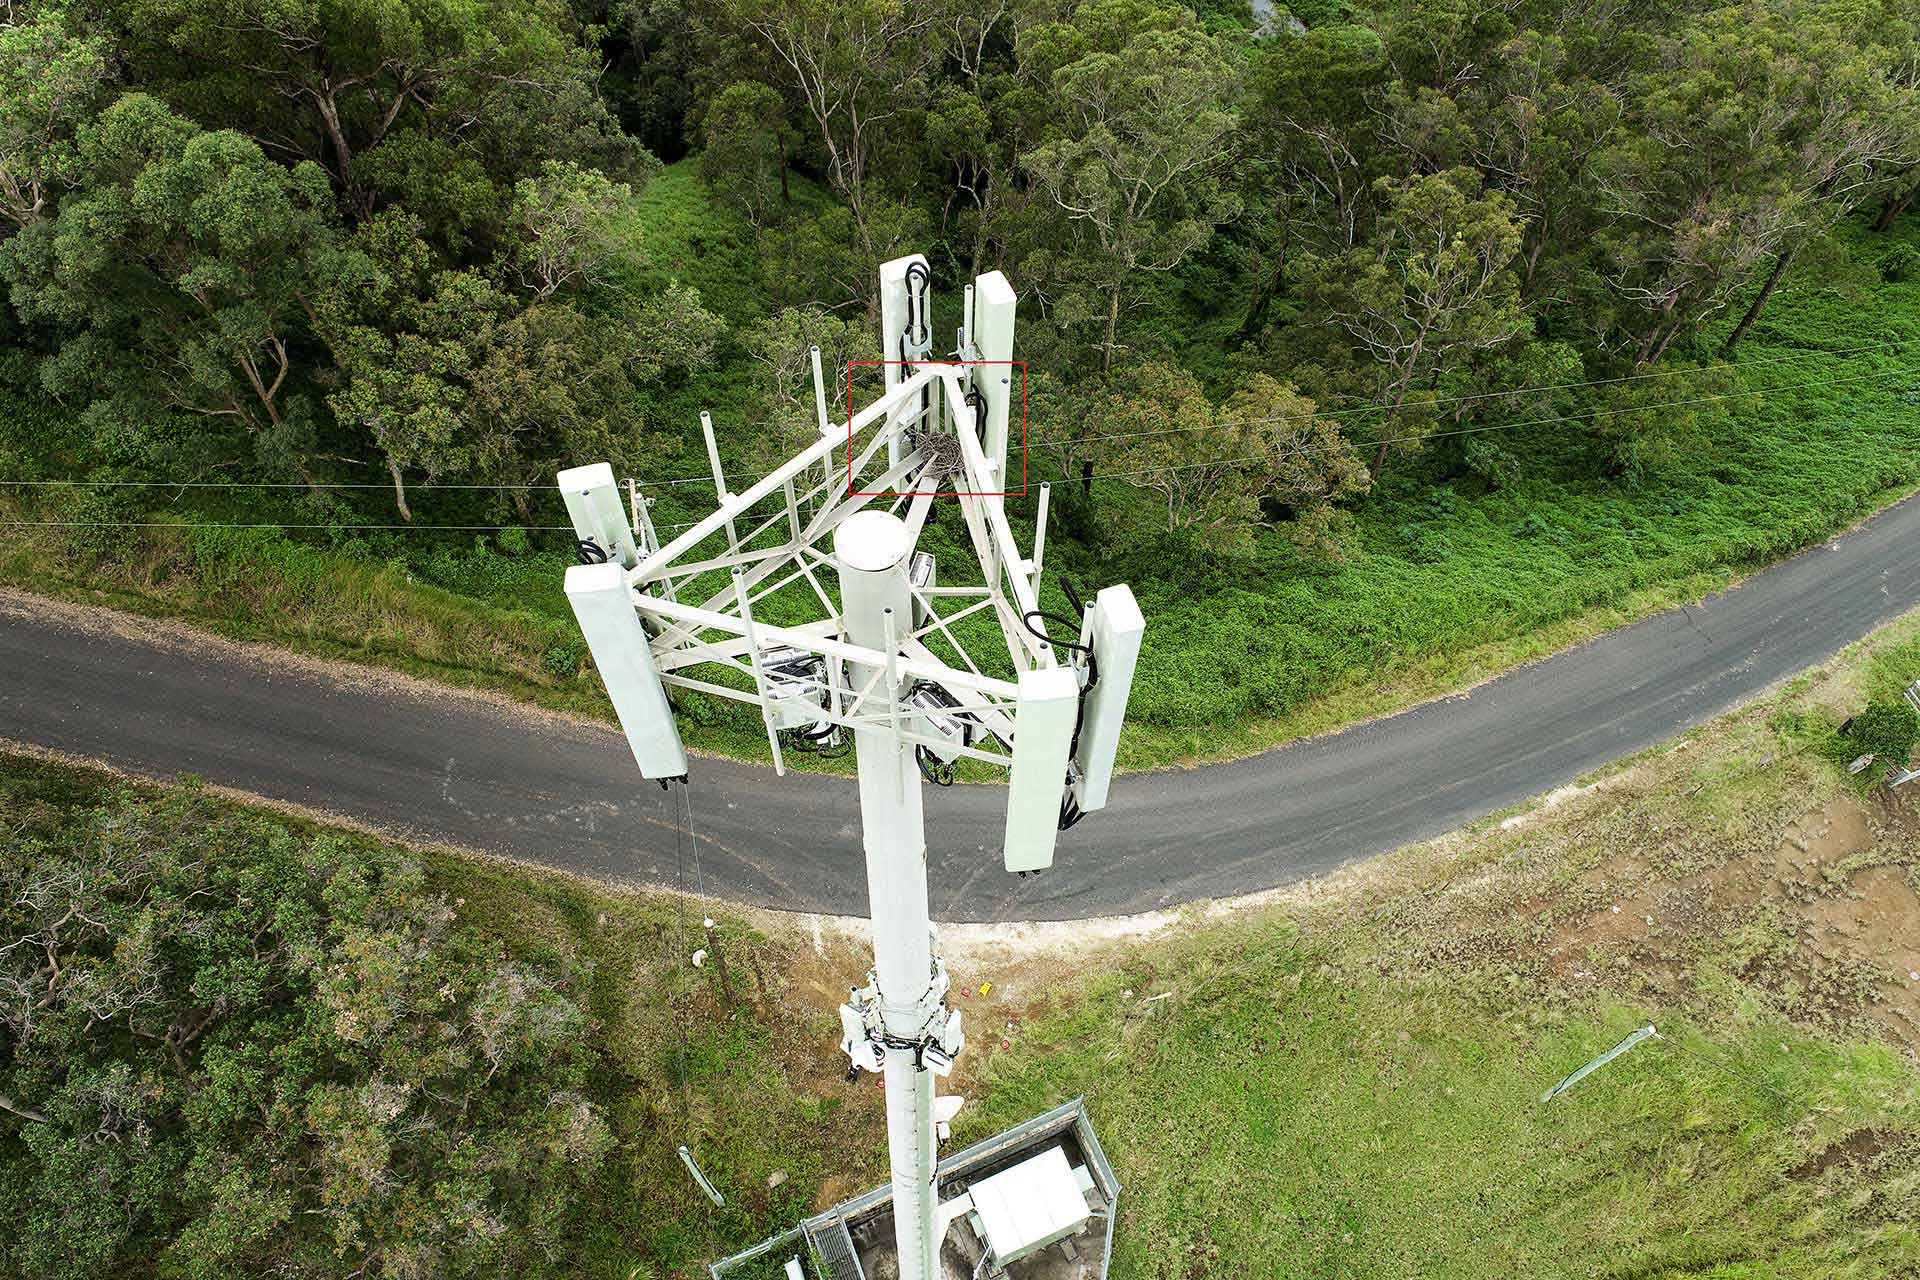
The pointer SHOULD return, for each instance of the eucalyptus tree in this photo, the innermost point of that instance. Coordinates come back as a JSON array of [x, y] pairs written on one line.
[[179, 276], [508, 82], [53, 74], [1756, 125], [1137, 154], [1856, 121], [1216, 470], [747, 160], [1432, 289], [1537, 123], [859, 68], [1311, 150]]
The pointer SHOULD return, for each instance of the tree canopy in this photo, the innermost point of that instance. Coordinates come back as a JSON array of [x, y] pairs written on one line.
[[305, 240]]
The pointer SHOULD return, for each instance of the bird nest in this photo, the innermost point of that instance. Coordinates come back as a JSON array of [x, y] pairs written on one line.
[[942, 453]]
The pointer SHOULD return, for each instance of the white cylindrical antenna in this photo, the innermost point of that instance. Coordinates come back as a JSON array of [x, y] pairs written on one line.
[[820, 412], [713, 457], [966, 321], [719, 478], [871, 550], [819, 389], [1040, 536], [745, 600]]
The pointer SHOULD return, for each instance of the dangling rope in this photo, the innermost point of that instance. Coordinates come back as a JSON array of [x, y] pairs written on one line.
[[685, 839], [693, 839]]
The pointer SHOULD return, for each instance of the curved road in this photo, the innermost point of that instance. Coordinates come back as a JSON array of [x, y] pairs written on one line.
[[465, 770]]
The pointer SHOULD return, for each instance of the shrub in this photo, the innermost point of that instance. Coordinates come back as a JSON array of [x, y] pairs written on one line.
[[94, 523], [1900, 263], [1886, 730], [563, 658]]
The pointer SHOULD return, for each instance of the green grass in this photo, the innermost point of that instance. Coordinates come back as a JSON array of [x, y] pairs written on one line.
[[1449, 566], [1350, 1087], [1294, 1112]]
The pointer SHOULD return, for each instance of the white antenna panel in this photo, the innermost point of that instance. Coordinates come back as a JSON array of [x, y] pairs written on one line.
[[1042, 737], [993, 307], [1113, 626], [593, 504], [906, 331], [604, 606], [896, 313]]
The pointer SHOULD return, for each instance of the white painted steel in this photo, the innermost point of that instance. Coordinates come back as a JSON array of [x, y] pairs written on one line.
[[992, 334], [811, 455], [1042, 734], [1024, 1209], [872, 655], [1113, 626], [895, 313], [871, 549], [604, 607], [594, 507]]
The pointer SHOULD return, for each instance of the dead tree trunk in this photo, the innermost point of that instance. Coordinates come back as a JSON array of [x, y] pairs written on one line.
[[1759, 303]]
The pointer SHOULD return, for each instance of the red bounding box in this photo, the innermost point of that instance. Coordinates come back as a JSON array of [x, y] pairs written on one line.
[[1021, 492]]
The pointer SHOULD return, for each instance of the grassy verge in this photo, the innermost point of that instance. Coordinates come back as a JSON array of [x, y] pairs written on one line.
[[1344, 1083], [255, 585]]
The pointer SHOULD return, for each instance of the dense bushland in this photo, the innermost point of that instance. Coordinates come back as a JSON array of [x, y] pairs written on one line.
[[231, 1047]]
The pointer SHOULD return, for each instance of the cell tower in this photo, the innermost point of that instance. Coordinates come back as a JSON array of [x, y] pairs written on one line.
[[879, 659]]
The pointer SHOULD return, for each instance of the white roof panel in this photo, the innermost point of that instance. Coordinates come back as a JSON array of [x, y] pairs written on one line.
[[1030, 1205]]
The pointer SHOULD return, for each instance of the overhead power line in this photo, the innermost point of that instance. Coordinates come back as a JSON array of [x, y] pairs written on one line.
[[220, 524], [294, 484], [1110, 475]]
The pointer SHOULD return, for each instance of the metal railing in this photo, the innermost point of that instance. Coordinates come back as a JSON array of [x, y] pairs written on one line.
[[825, 1240]]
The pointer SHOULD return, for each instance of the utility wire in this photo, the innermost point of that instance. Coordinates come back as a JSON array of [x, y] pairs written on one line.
[[1376, 407], [1716, 1061], [188, 524], [214, 524], [1111, 475], [260, 484], [290, 484], [693, 843]]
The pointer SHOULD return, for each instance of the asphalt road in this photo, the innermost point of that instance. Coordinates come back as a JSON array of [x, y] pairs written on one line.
[[468, 771]]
